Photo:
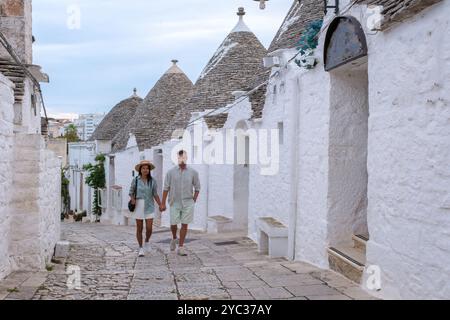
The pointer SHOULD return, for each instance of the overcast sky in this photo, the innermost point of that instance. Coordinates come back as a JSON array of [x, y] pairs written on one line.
[[120, 45]]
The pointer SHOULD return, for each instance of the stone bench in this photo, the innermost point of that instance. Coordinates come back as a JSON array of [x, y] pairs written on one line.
[[272, 237], [219, 224]]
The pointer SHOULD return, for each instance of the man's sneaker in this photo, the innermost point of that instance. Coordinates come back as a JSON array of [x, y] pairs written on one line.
[[148, 247], [181, 252], [173, 244], [141, 252]]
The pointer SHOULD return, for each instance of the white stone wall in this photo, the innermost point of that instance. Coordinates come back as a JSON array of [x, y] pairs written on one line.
[[36, 203], [6, 150], [201, 209], [409, 156], [49, 203], [220, 191], [221, 181], [347, 181], [124, 167], [80, 193], [270, 194], [167, 165], [311, 219]]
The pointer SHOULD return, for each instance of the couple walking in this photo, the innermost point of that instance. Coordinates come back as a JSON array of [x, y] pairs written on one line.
[[181, 185]]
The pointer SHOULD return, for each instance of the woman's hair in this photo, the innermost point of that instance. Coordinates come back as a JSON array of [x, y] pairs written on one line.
[[149, 177]]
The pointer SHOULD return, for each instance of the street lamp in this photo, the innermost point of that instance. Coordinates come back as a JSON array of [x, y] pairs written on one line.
[[262, 4]]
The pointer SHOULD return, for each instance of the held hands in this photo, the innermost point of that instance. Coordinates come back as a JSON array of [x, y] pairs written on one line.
[[162, 208]]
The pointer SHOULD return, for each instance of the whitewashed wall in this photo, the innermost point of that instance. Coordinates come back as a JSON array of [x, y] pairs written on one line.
[[311, 220], [201, 207], [6, 150], [167, 165], [49, 204], [270, 194], [80, 154], [409, 156], [221, 184], [36, 203], [125, 162]]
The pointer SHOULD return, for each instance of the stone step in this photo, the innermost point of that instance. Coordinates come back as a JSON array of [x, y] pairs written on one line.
[[360, 242], [348, 261], [219, 224]]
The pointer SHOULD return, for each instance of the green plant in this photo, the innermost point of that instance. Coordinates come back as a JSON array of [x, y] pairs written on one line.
[[96, 180], [49, 267], [11, 290], [65, 194], [308, 42], [71, 133]]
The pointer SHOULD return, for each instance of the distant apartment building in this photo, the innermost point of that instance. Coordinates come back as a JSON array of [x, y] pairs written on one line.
[[56, 127], [87, 123]]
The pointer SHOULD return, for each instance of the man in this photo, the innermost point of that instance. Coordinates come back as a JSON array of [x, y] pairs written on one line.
[[182, 184]]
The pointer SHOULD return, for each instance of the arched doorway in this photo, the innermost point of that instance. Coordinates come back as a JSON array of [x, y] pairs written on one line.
[[346, 61], [241, 177]]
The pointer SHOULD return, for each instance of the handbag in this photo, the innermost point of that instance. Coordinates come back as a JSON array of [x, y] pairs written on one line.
[[132, 206]]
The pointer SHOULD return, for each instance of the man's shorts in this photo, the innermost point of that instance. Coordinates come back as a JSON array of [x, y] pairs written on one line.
[[181, 214]]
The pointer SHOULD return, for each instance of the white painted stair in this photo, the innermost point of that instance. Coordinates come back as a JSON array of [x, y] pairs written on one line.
[[349, 261]]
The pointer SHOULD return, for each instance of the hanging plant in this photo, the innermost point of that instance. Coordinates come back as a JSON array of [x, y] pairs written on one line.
[[308, 42], [96, 180]]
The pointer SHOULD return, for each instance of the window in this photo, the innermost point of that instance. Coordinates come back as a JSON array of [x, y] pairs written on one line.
[[33, 104], [281, 133]]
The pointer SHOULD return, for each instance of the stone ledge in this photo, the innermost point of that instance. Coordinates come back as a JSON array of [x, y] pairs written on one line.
[[219, 224], [272, 227], [62, 249]]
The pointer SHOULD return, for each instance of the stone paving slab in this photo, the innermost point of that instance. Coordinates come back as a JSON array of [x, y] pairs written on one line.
[[110, 270]]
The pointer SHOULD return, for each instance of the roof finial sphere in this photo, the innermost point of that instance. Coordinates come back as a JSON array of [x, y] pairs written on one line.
[[174, 61]]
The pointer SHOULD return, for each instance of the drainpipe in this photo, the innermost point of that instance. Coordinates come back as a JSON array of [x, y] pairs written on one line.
[[294, 177]]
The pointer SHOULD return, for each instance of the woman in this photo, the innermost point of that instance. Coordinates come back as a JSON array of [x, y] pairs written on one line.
[[144, 198]]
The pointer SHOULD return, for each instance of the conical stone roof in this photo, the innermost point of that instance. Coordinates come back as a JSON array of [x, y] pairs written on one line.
[[117, 118], [231, 68], [297, 19], [154, 114], [299, 16]]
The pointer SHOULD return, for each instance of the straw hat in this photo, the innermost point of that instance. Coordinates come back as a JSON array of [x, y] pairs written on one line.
[[144, 163]]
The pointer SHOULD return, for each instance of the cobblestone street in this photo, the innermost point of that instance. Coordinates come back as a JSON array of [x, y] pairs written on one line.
[[217, 267]]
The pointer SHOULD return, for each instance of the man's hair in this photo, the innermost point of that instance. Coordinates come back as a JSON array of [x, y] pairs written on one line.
[[181, 153]]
